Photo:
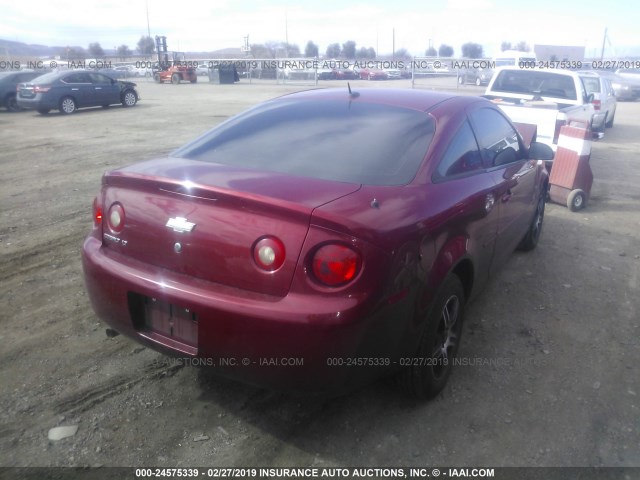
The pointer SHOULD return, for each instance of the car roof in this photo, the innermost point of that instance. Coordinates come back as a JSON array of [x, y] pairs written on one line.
[[422, 100], [569, 73]]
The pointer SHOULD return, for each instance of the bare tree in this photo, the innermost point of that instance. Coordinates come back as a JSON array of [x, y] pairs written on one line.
[[365, 53], [124, 51], [505, 46], [445, 51], [311, 50], [472, 50], [522, 46], [402, 54], [73, 53], [333, 50], [431, 52], [292, 49], [96, 50], [146, 45], [349, 49]]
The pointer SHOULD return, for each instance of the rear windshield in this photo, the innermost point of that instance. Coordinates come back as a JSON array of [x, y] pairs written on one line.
[[545, 84], [46, 78], [346, 141]]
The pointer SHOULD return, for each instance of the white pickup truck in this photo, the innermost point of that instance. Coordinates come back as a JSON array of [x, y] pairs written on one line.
[[544, 97]]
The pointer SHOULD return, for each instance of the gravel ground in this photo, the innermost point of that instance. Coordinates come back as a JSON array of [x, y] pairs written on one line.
[[551, 346]]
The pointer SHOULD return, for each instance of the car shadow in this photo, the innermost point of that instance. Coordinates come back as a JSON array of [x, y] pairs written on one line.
[[84, 111], [310, 421]]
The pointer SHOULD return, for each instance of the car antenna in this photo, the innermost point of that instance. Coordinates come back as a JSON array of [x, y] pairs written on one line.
[[352, 94]]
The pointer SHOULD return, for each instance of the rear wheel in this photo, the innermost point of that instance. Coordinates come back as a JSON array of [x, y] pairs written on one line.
[[428, 374], [195, 80], [67, 105], [175, 79], [156, 78], [609, 121], [12, 103], [530, 240]]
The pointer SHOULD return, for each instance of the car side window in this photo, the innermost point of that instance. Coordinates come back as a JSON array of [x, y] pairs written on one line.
[[79, 77], [609, 87], [99, 78], [462, 155], [499, 142]]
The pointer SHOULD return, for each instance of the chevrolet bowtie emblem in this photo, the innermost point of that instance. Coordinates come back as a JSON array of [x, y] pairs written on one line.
[[180, 224]]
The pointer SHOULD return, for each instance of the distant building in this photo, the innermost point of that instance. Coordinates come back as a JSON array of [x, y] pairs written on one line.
[[558, 53]]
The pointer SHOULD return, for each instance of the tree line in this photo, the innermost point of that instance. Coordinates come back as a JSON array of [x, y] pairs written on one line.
[[348, 50]]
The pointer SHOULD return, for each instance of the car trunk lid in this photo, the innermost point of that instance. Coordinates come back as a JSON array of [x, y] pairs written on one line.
[[203, 220], [26, 90]]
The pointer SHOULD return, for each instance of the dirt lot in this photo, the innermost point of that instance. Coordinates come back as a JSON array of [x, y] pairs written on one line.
[[552, 344]]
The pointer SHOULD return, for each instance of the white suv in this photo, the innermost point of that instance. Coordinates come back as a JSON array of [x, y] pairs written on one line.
[[604, 100]]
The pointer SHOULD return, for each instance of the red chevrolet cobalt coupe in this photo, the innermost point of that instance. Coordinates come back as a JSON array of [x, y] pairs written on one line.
[[318, 240]]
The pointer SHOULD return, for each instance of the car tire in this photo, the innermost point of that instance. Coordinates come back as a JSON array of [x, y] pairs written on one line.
[[67, 105], [576, 200], [43, 111], [12, 103], [195, 80], [175, 79], [530, 240], [129, 98], [609, 121], [478, 82], [439, 343], [156, 78], [460, 80]]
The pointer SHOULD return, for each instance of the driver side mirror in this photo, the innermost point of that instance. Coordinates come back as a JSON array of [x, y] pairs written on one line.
[[540, 151]]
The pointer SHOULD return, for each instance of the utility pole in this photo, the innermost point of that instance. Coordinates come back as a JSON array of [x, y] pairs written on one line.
[[286, 31], [393, 54], [148, 27], [603, 41]]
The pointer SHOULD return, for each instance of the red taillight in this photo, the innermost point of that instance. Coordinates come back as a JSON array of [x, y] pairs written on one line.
[[596, 104], [269, 253], [115, 218], [97, 213], [39, 89], [335, 265]]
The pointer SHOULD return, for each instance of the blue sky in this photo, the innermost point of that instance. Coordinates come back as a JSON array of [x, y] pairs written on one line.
[[196, 25]]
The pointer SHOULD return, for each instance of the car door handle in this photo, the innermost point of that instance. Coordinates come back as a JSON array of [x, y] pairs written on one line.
[[75, 89], [98, 88], [521, 174], [507, 196]]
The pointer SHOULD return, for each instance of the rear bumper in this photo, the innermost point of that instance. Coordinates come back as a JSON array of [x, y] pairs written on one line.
[[38, 102], [294, 342], [598, 122]]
